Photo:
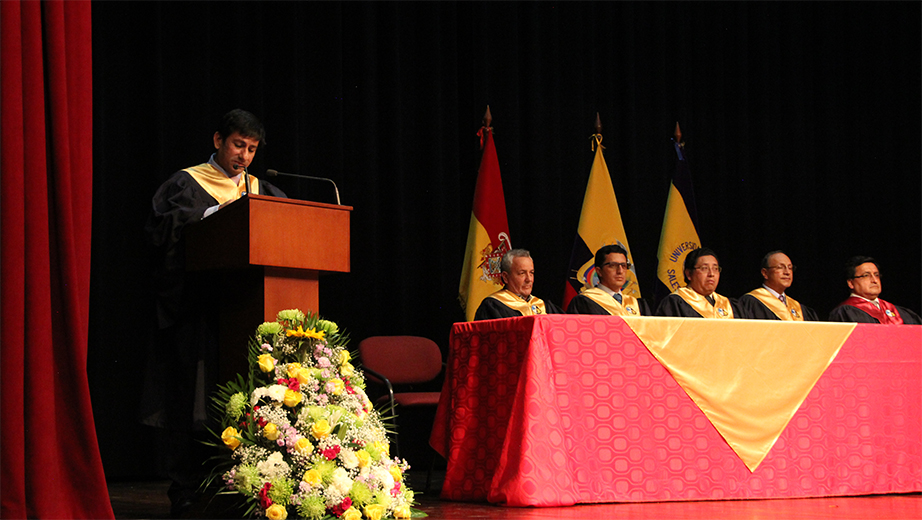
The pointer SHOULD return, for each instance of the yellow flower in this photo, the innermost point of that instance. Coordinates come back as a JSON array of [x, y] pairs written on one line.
[[364, 458], [338, 385], [301, 333], [271, 432], [402, 511], [375, 511], [303, 375], [312, 477], [276, 512], [344, 357], [321, 429], [292, 398], [266, 363], [230, 437], [347, 370], [352, 514], [396, 473], [384, 448], [303, 446], [293, 369]]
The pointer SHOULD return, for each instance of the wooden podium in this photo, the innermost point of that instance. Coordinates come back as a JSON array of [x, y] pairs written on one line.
[[263, 255]]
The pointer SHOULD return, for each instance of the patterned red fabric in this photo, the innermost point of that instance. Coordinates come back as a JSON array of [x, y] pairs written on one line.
[[563, 409]]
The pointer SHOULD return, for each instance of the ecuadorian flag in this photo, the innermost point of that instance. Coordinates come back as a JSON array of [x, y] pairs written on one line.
[[488, 235], [679, 235], [599, 225]]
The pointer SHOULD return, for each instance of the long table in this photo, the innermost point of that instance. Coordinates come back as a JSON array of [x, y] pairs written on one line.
[[559, 409]]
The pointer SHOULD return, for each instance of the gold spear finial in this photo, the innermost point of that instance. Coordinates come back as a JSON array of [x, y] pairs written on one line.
[[678, 133], [487, 118], [598, 123]]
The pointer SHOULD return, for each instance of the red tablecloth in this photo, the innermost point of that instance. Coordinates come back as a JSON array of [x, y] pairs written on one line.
[[557, 410]]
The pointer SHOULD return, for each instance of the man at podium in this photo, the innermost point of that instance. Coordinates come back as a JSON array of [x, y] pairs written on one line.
[[182, 363]]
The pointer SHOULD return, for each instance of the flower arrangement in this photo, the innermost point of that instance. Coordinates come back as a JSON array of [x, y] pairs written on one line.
[[299, 435]]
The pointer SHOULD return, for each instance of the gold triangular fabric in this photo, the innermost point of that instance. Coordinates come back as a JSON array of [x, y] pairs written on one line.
[[749, 377]]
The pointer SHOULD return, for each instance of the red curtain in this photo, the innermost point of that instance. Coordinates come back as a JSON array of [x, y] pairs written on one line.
[[50, 458]]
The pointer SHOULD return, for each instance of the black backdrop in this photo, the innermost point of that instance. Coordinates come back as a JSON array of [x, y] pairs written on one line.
[[802, 123]]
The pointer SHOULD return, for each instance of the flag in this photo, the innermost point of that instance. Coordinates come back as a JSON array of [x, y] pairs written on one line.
[[679, 235], [599, 225], [488, 235]]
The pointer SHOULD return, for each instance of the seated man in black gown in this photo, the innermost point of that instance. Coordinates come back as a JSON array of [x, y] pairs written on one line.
[[515, 299], [865, 305], [699, 299], [770, 302], [606, 298], [182, 363]]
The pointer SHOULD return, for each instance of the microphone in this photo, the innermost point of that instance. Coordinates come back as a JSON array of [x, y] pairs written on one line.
[[273, 173], [246, 179]]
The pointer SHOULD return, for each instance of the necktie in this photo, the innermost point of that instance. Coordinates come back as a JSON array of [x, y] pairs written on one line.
[[710, 300], [617, 297], [783, 299]]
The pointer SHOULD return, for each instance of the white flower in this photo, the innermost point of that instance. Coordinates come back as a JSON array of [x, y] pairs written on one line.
[[277, 392], [349, 459], [383, 476], [341, 482], [274, 466]]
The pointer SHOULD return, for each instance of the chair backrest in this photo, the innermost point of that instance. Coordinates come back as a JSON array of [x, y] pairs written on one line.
[[402, 359]]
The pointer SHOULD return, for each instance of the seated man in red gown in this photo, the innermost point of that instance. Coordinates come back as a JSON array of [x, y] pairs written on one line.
[[865, 305]]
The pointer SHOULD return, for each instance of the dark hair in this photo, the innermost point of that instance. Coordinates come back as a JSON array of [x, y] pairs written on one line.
[[244, 123], [768, 256], [607, 250], [852, 265], [692, 258]]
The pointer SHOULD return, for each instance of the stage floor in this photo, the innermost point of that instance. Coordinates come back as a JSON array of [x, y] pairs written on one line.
[[148, 500]]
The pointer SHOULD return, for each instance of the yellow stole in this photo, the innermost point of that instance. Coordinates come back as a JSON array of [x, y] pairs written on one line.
[[627, 307], [720, 309], [219, 185], [789, 310], [531, 307]]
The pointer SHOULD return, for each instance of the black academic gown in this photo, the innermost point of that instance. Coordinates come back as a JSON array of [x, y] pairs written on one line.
[[674, 306], [491, 309], [848, 313], [756, 310], [184, 335], [582, 304]]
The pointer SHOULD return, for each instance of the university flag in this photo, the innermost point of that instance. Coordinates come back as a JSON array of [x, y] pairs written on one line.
[[679, 235], [599, 225], [488, 235]]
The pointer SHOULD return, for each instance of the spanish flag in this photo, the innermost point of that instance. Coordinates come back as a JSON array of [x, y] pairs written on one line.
[[679, 235], [599, 225], [488, 235]]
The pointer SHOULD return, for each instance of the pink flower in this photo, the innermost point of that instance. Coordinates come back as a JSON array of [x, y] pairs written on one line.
[[264, 499], [331, 453]]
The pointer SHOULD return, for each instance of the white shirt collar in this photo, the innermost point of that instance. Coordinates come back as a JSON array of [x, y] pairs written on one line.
[[607, 289], [772, 291]]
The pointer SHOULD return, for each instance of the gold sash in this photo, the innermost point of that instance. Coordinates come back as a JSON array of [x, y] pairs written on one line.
[[532, 307], [720, 309], [789, 310], [628, 307], [219, 185]]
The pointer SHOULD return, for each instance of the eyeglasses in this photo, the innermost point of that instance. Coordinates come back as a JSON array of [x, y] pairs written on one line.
[[707, 269], [616, 265], [867, 275], [791, 268]]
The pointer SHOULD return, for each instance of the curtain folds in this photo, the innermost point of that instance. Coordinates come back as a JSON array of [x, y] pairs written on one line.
[[50, 458]]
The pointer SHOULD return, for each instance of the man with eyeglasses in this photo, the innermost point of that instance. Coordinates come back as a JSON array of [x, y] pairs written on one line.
[[699, 298], [770, 302], [606, 298], [865, 305], [517, 270]]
